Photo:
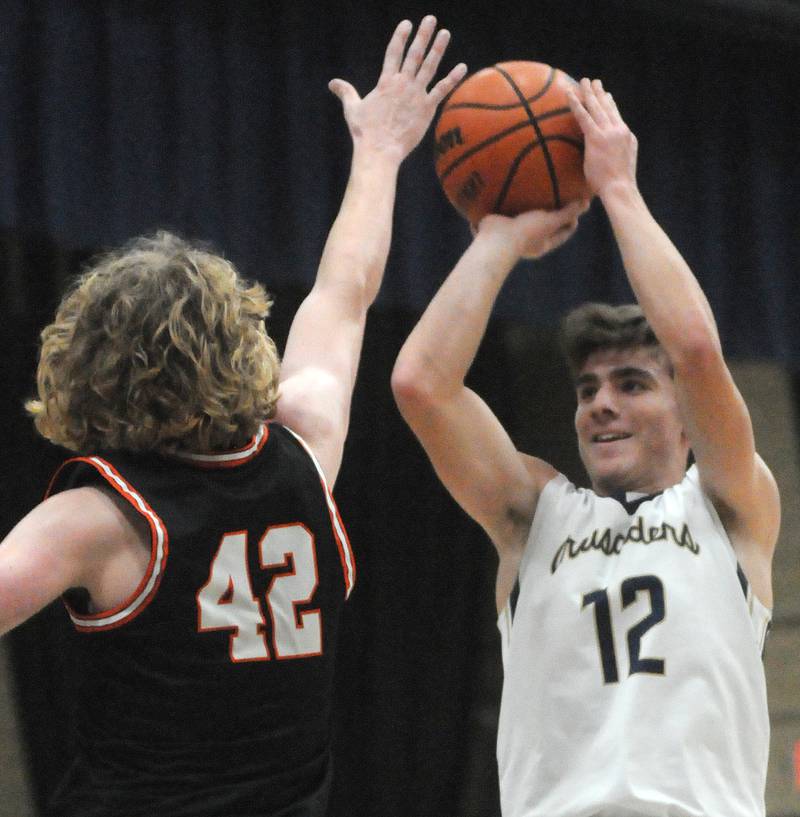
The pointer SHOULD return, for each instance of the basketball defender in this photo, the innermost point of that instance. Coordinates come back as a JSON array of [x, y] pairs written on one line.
[[633, 614], [194, 537]]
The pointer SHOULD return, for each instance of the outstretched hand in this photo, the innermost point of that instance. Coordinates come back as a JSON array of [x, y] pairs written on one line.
[[395, 115], [537, 232], [609, 145]]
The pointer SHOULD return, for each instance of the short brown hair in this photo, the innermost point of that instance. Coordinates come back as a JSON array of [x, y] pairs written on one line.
[[594, 326], [158, 346]]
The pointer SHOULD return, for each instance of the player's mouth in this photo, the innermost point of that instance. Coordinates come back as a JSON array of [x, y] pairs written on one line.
[[610, 437]]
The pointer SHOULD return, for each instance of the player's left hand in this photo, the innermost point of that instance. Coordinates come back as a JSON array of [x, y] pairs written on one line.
[[395, 115], [610, 147]]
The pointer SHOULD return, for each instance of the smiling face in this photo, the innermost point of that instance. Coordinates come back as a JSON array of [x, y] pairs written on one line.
[[629, 429]]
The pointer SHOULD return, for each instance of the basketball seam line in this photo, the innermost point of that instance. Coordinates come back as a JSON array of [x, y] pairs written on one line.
[[502, 134], [486, 106], [512, 171], [545, 152]]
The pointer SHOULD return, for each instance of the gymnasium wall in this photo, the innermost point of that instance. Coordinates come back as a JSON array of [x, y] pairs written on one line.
[[212, 117]]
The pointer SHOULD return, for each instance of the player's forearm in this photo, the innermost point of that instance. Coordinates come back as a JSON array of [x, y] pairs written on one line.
[[662, 281], [440, 350], [357, 247]]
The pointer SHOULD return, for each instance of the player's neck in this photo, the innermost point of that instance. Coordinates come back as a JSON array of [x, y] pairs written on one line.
[[633, 488]]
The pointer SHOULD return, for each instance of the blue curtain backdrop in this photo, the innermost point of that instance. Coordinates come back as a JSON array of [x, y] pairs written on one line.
[[213, 119]]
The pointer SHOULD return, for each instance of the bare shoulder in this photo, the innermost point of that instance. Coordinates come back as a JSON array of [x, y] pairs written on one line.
[[756, 517], [115, 547], [314, 404], [81, 513], [540, 472], [90, 520], [308, 402], [769, 497], [521, 507], [72, 539]]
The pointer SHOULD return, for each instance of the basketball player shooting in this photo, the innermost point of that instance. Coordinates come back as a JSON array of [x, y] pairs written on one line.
[[196, 545], [632, 615]]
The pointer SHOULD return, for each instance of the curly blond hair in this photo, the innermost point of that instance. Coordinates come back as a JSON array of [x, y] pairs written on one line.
[[158, 346]]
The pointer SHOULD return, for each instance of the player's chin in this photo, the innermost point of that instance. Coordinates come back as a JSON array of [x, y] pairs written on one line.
[[608, 473]]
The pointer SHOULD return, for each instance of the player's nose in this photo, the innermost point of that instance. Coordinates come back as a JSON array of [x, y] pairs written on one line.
[[604, 403]]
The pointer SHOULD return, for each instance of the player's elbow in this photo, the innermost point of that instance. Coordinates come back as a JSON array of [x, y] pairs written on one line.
[[699, 351], [413, 388]]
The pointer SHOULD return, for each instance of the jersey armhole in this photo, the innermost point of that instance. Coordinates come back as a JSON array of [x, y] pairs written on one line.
[[759, 614], [544, 505], [339, 533], [145, 591], [558, 482]]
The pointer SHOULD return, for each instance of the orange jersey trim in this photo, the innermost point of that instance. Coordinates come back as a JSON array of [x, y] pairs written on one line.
[[228, 459], [159, 551], [346, 555]]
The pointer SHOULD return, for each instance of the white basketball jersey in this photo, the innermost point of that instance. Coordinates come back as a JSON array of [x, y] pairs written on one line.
[[634, 685]]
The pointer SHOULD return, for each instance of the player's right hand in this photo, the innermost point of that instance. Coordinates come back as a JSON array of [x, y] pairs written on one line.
[[610, 148], [537, 232]]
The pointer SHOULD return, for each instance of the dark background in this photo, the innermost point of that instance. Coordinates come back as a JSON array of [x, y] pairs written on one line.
[[213, 119]]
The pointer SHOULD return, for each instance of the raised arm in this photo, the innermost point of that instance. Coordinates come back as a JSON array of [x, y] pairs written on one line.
[[324, 344], [468, 447], [715, 416]]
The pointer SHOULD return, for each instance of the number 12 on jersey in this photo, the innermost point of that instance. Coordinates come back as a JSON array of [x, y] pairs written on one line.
[[226, 601], [605, 635]]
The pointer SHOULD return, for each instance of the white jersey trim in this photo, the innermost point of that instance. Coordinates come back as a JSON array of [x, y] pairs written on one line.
[[159, 550], [343, 543], [760, 615], [228, 458]]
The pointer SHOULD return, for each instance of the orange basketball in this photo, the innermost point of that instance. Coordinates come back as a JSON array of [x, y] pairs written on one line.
[[506, 142]]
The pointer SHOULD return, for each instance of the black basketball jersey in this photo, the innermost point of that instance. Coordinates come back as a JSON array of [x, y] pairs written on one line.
[[208, 691]]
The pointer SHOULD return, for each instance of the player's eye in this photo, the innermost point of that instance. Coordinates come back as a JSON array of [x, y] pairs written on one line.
[[586, 392], [632, 386]]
